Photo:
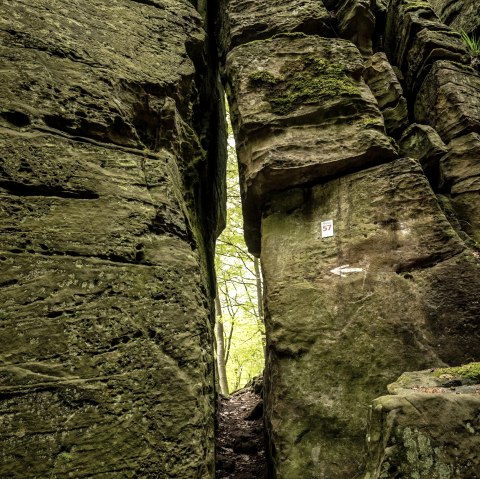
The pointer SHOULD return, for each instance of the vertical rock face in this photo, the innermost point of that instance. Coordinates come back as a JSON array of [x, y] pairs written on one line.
[[110, 185], [106, 360], [394, 288], [337, 335]]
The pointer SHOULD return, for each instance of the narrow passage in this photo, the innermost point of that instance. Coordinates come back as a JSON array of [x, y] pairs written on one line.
[[240, 435]]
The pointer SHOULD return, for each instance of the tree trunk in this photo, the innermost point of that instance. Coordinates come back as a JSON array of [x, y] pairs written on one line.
[[221, 365], [258, 279]]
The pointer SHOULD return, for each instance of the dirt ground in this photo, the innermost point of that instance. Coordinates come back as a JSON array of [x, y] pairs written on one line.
[[240, 435]]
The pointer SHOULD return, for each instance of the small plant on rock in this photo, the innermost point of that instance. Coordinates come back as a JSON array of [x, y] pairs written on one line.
[[473, 46]]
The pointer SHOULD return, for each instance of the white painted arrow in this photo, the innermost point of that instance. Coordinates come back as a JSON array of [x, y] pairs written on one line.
[[341, 270]]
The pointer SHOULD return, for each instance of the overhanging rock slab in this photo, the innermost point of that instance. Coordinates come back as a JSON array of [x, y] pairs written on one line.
[[301, 112]]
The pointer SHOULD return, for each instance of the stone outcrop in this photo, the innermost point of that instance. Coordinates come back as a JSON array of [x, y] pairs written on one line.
[[460, 179], [428, 427], [449, 100], [335, 338], [415, 39], [113, 145], [384, 84], [286, 93], [106, 238], [459, 14], [244, 20], [347, 314], [424, 144]]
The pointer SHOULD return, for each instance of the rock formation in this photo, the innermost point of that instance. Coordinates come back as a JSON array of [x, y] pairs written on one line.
[[428, 427], [357, 126], [109, 114], [394, 289]]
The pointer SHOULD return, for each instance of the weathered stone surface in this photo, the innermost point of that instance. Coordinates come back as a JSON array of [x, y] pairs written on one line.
[[415, 39], [459, 14], [460, 178], [382, 80], [336, 340], [427, 429], [104, 367], [301, 112], [449, 100], [423, 143], [356, 22], [106, 363], [65, 197], [247, 20], [106, 78]]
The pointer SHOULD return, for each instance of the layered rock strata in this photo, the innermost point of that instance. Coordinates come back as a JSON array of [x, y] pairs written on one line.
[[459, 14], [286, 93], [106, 358], [348, 313]]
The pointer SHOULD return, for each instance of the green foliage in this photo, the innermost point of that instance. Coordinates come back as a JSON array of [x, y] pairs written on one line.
[[304, 83], [472, 43], [237, 287]]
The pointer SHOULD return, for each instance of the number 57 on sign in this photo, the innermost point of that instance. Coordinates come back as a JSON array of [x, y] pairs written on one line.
[[327, 228]]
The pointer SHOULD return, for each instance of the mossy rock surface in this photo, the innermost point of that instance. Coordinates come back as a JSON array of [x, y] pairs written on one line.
[[106, 360], [429, 427], [336, 340], [301, 112]]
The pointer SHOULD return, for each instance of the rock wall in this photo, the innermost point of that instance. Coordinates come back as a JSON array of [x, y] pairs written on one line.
[[317, 101], [362, 113], [428, 426], [110, 121]]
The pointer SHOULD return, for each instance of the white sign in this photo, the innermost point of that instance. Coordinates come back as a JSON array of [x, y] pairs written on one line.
[[344, 270], [327, 228]]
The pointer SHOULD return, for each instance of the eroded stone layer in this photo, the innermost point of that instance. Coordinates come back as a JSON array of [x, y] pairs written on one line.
[[301, 112], [449, 100], [243, 21], [347, 314], [460, 179], [428, 427], [459, 14], [106, 359]]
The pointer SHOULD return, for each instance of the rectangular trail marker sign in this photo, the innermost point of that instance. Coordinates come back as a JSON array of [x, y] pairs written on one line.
[[327, 228]]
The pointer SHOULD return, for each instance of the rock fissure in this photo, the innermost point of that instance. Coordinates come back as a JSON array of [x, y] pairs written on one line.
[[357, 129]]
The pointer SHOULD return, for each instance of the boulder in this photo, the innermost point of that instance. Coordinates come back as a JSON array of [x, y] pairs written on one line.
[[460, 178], [243, 21], [428, 427], [449, 100], [301, 112], [382, 80], [347, 314]]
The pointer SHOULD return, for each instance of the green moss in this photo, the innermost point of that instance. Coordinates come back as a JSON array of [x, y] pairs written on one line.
[[263, 77], [417, 5], [64, 457], [467, 371], [305, 83]]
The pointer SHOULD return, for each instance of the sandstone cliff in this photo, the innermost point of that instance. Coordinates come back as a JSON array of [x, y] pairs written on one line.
[[109, 124], [318, 100], [361, 113]]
